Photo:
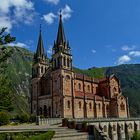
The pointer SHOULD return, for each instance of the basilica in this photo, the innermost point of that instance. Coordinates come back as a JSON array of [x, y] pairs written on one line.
[[58, 91]]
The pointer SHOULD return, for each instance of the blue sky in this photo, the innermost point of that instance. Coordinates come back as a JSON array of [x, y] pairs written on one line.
[[101, 32]]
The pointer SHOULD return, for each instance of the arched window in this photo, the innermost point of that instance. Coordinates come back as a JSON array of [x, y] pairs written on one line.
[[68, 62], [114, 127], [107, 108], [105, 128], [58, 60], [67, 77], [99, 106], [79, 86], [88, 87], [122, 106], [45, 69], [80, 105], [64, 61], [68, 104], [42, 69], [90, 106]]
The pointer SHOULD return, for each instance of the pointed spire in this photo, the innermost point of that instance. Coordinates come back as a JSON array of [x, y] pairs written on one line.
[[60, 35], [40, 48]]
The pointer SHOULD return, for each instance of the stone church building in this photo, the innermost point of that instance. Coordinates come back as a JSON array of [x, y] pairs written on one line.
[[58, 91]]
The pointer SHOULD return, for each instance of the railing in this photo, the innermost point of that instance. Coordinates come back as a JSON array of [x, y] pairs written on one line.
[[50, 121], [103, 119]]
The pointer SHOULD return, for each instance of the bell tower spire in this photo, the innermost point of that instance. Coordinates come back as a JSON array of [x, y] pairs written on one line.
[[61, 57], [60, 34], [41, 62], [40, 54]]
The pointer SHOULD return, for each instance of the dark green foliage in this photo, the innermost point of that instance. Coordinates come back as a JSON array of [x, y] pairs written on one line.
[[92, 72], [136, 136], [4, 118], [23, 118], [27, 135], [32, 118], [4, 37], [15, 79]]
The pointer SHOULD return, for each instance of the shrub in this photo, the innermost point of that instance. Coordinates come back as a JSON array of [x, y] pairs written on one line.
[[4, 118], [33, 118], [46, 136], [136, 136], [24, 118], [64, 122], [27, 135]]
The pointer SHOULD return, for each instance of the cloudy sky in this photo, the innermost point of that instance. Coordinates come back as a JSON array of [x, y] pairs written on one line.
[[100, 32]]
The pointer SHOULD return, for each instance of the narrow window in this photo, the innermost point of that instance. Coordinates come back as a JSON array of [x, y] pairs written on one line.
[[42, 69], [79, 86], [68, 62], [80, 105], [68, 104], [99, 106], [64, 61], [88, 87], [90, 106]]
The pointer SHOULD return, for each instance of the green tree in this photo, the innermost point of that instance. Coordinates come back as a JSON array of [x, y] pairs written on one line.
[[5, 85], [4, 118], [5, 37]]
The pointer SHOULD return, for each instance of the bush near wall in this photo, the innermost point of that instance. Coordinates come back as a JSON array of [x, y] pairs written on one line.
[[27, 135], [136, 136], [4, 118]]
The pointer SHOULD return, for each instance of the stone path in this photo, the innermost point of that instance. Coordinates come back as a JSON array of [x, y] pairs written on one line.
[[61, 133]]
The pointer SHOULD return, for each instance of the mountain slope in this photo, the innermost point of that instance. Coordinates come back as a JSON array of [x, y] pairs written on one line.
[[18, 72]]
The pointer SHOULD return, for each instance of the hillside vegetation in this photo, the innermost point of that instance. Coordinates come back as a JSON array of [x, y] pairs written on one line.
[[18, 75], [17, 70]]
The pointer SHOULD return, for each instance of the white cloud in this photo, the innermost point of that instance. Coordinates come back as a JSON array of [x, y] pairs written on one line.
[[49, 18], [66, 12], [52, 1], [134, 53], [18, 44], [123, 59], [16, 11], [6, 22], [93, 51], [127, 48], [49, 51]]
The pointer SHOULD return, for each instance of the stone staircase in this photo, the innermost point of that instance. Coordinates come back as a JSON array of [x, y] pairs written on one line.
[[62, 133]]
